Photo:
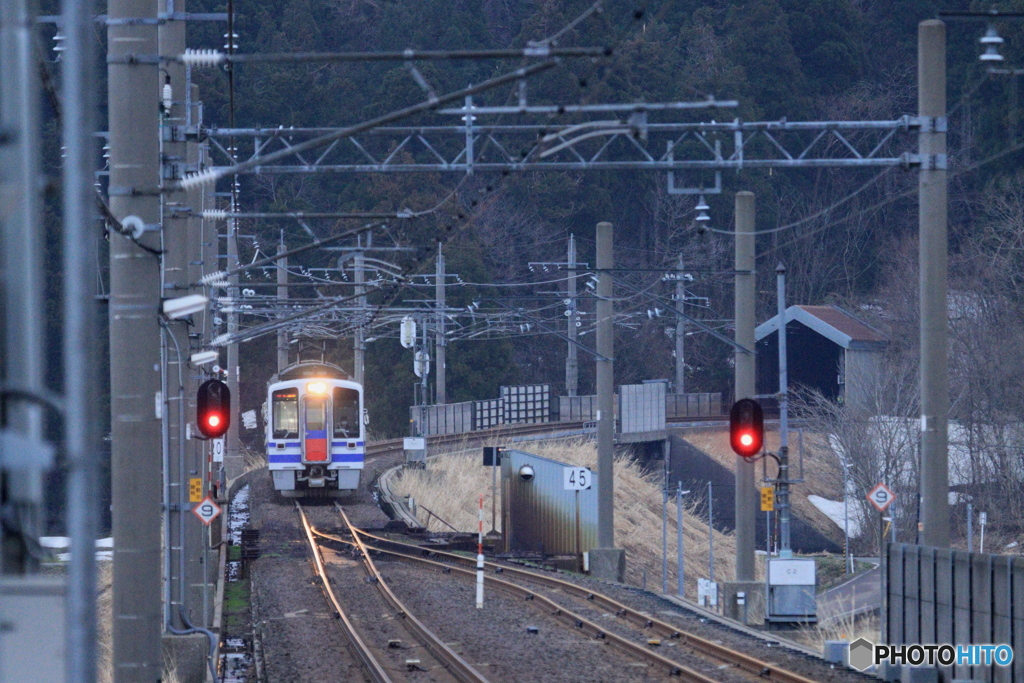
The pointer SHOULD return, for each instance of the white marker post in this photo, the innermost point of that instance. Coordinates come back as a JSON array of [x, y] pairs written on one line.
[[480, 558], [577, 479], [982, 519]]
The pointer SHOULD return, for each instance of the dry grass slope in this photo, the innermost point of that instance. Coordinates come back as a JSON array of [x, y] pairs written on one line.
[[453, 481], [823, 475]]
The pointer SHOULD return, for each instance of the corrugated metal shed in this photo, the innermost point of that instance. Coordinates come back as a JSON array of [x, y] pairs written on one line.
[[539, 515]]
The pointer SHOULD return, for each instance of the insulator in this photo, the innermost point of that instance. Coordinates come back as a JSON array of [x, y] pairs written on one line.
[[213, 277], [206, 58], [195, 180]]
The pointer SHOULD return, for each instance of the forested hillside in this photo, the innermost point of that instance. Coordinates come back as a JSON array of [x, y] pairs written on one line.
[[794, 59]]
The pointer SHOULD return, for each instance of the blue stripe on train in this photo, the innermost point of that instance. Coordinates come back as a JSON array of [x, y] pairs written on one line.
[[297, 444], [295, 458]]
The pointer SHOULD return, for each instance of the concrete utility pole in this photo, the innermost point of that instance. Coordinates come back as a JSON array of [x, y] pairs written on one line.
[[282, 297], [185, 538], [206, 260], [606, 561], [359, 350], [22, 275], [572, 367], [680, 298], [171, 36], [425, 366], [133, 103], [204, 574], [605, 388], [440, 343], [785, 552], [744, 379], [81, 365], [233, 465], [932, 226]]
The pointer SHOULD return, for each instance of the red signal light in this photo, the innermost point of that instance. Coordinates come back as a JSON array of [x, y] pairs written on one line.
[[746, 428], [213, 409]]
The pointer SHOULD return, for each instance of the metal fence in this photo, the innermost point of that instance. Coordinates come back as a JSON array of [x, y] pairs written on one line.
[[449, 418], [693, 405], [576, 408], [487, 413], [642, 408], [538, 514], [534, 403], [528, 403], [935, 595]]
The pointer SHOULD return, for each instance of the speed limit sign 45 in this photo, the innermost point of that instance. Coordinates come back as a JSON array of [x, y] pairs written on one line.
[[577, 479]]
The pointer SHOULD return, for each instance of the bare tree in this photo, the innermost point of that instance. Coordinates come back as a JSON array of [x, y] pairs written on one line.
[[876, 440]]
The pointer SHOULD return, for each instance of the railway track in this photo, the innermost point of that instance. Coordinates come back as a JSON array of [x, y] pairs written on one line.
[[450, 666], [646, 628]]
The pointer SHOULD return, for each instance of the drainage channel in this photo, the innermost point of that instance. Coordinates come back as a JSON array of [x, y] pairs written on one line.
[[237, 664]]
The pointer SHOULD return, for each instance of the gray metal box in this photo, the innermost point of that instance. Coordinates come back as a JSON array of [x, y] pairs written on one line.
[[792, 588], [32, 629]]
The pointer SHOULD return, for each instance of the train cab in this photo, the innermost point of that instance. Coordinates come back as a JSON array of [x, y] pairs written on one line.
[[315, 429]]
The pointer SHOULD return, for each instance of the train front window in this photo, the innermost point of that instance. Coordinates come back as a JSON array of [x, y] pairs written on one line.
[[346, 413], [316, 416], [286, 413]]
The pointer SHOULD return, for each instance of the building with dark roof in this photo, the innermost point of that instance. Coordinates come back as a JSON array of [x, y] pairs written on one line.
[[828, 350]]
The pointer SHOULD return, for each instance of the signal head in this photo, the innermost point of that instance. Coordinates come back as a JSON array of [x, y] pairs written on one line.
[[746, 428], [213, 408]]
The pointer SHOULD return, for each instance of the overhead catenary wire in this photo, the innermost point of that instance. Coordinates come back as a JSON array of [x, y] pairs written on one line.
[[214, 174], [397, 287], [896, 197], [214, 57], [964, 98]]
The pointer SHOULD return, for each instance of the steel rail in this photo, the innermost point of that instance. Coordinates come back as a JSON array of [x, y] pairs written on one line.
[[575, 620], [724, 654], [370, 663], [455, 664]]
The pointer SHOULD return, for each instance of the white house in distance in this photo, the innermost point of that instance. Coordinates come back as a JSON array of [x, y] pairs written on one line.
[[828, 350]]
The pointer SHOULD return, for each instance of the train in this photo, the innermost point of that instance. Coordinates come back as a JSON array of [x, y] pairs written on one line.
[[315, 431]]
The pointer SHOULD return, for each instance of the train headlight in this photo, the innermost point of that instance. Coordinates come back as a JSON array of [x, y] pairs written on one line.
[[316, 388]]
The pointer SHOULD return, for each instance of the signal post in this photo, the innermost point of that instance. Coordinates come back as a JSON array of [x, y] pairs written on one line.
[[135, 392], [746, 500]]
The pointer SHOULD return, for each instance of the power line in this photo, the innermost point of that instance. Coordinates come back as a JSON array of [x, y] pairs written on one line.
[[214, 174]]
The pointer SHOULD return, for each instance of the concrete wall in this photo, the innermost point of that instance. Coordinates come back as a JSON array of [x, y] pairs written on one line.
[[935, 595], [695, 469]]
